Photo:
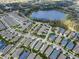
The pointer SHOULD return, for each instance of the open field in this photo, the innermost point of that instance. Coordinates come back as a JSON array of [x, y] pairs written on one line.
[[11, 1]]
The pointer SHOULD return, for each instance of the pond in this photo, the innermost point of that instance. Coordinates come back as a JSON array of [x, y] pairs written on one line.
[[48, 15]]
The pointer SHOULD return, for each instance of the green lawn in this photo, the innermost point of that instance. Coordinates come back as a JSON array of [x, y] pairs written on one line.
[[1, 37]]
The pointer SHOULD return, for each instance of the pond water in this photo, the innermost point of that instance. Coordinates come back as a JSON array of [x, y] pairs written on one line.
[[49, 15]]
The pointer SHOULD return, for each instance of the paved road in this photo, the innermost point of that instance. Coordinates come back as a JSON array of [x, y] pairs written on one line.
[[48, 34]]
